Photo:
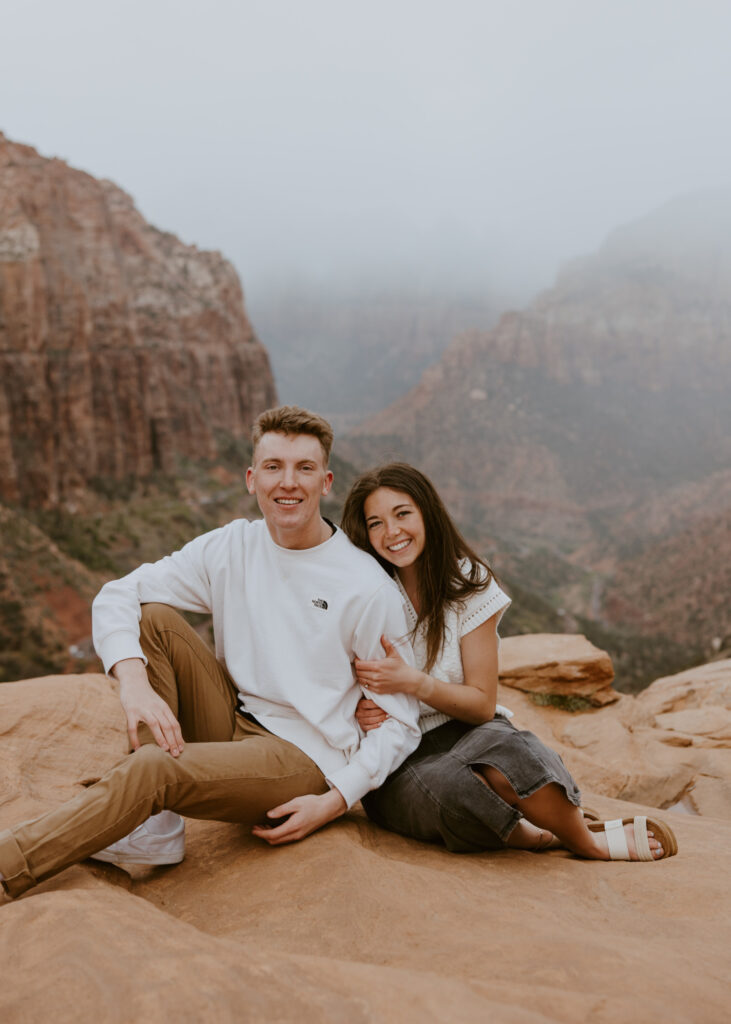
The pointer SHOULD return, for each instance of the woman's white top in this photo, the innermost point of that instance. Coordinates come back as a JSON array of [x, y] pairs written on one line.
[[459, 620]]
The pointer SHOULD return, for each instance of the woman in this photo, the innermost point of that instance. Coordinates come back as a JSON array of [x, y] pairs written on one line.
[[475, 782]]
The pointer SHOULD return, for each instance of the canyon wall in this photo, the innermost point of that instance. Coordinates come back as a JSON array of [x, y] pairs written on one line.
[[597, 423], [348, 353], [121, 348], [609, 388]]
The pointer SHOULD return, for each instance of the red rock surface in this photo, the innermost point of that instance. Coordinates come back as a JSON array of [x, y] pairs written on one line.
[[121, 348], [669, 747], [557, 664], [356, 924]]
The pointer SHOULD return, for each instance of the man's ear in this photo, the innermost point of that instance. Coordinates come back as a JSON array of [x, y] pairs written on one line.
[[250, 486], [327, 482]]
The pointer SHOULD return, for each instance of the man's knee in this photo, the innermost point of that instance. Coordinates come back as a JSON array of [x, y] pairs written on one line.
[[153, 763]]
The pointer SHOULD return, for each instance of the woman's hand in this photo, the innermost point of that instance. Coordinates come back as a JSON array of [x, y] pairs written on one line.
[[391, 674], [369, 715]]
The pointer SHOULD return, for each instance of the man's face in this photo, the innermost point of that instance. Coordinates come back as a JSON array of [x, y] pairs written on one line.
[[288, 477]]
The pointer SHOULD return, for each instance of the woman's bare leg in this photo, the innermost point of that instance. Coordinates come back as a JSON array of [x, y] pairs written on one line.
[[527, 836], [549, 808]]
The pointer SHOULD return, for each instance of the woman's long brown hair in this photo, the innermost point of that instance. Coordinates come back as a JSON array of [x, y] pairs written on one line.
[[441, 581]]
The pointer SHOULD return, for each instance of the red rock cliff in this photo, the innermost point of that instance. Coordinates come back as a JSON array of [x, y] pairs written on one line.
[[121, 348]]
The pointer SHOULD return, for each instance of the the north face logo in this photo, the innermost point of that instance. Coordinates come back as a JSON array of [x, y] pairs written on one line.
[[319, 603]]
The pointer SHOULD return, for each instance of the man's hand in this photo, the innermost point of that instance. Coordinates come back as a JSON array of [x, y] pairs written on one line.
[[369, 715], [142, 704], [306, 813]]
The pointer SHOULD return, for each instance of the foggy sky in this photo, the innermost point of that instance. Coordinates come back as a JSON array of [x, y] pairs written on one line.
[[333, 141]]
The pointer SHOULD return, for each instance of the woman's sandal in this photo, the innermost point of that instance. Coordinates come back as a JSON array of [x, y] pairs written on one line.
[[617, 841], [590, 815]]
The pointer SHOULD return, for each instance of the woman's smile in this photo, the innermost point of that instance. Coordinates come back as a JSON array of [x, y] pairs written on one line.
[[395, 526]]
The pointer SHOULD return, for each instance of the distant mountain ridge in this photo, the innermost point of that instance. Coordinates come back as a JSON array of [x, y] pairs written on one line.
[[568, 422], [349, 354]]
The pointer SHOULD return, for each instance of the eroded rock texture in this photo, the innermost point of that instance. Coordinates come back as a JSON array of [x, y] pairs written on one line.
[[557, 665], [121, 348]]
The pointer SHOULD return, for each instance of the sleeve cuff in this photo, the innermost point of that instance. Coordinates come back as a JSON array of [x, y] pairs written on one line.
[[352, 782], [117, 647]]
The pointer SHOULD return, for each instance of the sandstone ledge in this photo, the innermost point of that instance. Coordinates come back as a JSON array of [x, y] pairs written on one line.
[[358, 925], [355, 924], [565, 665]]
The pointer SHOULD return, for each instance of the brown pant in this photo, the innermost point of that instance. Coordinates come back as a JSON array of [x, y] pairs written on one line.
[[213, 778]]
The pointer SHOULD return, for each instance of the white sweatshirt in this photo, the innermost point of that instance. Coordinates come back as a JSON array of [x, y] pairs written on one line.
[[287, 626]]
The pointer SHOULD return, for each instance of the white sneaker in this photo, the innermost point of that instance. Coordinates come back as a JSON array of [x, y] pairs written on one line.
[[159, 840]]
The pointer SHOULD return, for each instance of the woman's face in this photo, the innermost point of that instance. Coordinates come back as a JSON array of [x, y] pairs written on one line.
[[395, 526]]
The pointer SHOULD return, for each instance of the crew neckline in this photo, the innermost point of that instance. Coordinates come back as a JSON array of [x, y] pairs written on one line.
[[303, 551]]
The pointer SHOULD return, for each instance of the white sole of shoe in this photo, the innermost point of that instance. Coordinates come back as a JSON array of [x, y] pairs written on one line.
[[157, 860]]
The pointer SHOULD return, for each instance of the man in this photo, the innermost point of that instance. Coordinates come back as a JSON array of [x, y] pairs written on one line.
[[264, 732]]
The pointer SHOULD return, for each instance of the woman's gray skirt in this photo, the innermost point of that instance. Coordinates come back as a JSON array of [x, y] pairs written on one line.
[[436, 796]]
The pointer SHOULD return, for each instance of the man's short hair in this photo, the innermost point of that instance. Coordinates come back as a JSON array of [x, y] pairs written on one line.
[[291, 419]]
